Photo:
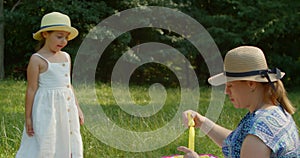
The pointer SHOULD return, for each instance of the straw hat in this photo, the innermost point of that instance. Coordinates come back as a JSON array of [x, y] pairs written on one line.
[[246, 63], [56, 21]]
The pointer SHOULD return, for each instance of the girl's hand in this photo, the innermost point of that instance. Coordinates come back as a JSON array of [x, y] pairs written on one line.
[[188, 152], [29, 127], [81, 117], [198, 119]]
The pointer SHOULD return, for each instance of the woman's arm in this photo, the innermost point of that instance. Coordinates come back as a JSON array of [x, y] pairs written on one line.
[[254, 147], [32, 85], [216, 132]]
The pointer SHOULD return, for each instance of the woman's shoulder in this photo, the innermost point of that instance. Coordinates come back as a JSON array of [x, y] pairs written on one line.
[[261, 115], [271, 119], [272, 123], [275, 127], [276, 113]]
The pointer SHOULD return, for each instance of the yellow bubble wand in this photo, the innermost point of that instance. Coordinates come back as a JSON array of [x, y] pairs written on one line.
[[191, 124], [191, 145]]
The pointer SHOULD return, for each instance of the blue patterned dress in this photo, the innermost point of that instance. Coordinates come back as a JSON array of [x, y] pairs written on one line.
[[275, 127]]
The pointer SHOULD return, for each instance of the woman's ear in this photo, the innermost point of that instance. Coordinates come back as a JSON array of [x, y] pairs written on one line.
[[252, 84]]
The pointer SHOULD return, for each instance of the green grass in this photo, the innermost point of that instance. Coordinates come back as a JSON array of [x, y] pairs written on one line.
[[12, 94]]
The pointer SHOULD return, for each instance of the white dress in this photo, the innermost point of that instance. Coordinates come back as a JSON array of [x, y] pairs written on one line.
[[55, 117]]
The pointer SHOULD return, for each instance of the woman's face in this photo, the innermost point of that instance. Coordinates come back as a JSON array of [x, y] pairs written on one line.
[[239, 93], [56, 40]]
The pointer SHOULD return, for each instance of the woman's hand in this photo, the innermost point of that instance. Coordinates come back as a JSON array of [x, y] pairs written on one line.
[[198, 119], [188, 152], [29, 127]]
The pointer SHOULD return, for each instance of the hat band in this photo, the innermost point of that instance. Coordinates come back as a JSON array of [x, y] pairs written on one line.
[[263, 73], [43, 27]]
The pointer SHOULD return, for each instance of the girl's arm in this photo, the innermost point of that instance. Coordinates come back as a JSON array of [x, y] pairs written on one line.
[[80, 113], [32, 85]]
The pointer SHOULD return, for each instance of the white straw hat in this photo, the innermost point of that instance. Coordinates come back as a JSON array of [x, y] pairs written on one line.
[[246, 63], [56, 21]]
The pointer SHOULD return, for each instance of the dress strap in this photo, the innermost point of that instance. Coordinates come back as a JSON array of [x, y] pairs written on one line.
[[67, 56], [37, 54]]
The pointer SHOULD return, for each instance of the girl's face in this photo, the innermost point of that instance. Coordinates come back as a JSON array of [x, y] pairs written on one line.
[[239, 93], [56, 40]]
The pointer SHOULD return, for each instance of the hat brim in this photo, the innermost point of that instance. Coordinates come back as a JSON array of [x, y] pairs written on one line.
[[220, 79], [73, 32]]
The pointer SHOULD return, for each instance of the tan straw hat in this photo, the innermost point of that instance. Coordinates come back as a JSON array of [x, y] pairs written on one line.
[[246, 63], [56, 21]]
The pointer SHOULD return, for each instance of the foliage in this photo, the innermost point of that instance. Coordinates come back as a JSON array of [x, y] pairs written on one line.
[[271, 25], [24, 20]]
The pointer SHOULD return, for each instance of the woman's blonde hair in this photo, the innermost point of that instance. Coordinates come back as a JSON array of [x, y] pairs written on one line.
[[279, 96]]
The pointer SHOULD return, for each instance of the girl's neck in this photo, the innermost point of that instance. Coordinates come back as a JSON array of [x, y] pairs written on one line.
[[47, 51]]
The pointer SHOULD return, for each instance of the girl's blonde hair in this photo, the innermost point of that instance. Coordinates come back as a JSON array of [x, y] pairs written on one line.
[[41, 42], [279, 96], [40, 45]]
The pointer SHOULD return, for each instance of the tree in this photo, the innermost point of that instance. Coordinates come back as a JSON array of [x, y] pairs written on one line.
[[272, 25], [1, 41]]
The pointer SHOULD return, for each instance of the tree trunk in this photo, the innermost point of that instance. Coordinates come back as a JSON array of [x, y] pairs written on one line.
[[1, 40]]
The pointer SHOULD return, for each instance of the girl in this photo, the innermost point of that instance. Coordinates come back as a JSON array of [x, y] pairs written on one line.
[[52, 114]]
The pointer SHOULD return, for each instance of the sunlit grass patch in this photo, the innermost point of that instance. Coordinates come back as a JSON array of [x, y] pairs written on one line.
[[12, 97]]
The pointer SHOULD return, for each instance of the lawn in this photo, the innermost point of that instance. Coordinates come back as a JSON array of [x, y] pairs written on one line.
[[12, 94]]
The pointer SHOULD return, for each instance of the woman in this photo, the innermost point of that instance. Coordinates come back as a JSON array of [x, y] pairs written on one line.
[[268, 129]]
